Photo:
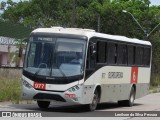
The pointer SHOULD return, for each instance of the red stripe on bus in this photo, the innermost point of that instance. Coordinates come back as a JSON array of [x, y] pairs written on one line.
[[134, 75]]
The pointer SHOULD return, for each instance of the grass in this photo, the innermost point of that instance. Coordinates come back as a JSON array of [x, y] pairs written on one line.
[[10, 85], [155, 83], [155, 80], [10, 90]]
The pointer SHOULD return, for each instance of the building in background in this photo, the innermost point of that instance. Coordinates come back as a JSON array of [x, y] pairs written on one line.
[[9, 53]]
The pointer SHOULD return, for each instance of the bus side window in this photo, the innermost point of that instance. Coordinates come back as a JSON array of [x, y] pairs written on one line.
[[92, 62], [91, 57], [125, 57], [131, 55], [139, 55], [122, 54], [146, 59], [112, 53], [101, 52], [137, 60]]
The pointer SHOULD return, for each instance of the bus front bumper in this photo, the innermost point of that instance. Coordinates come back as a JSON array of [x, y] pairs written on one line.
[[69, 98]]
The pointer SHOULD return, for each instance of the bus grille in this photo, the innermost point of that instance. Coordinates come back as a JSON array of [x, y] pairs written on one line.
[[49, 96]]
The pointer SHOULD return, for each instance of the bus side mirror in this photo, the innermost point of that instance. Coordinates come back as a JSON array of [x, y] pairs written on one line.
[[93, 50]]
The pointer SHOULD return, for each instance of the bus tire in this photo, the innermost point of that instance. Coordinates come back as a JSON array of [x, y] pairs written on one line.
[[130, 101], [43, 104], [95, 101]]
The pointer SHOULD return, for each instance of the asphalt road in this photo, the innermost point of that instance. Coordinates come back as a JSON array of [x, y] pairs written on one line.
[[147, 103]]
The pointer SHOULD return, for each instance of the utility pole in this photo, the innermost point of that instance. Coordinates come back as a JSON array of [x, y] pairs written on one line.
[[99, 18], [98, 24], [74, 13]]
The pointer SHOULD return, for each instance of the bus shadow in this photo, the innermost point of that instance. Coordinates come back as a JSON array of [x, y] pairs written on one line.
[[110, 106], [82, 109], [71, 109]]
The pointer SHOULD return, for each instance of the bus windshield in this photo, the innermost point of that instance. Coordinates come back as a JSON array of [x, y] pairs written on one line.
[[55, 57]]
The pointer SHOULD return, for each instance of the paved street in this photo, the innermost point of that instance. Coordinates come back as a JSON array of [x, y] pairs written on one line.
[[150, 102]]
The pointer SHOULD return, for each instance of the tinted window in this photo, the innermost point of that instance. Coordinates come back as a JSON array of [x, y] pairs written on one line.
[[101, 52], [139, 55], [147, 56], [90, 57], [122, 54], [131, 55], [112, 53]]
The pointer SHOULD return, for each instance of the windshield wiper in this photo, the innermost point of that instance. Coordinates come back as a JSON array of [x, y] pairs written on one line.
[[63, 74], [39, 68]]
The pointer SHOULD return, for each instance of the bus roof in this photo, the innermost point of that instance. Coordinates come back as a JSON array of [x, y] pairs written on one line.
[[89, 33]]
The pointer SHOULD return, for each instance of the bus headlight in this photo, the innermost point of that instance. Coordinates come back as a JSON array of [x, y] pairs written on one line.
[[74, 88], [26, 84]]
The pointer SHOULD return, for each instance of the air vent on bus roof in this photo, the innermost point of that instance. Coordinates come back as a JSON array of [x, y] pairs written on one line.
[[59, 28], [90, 30], [56, 27]]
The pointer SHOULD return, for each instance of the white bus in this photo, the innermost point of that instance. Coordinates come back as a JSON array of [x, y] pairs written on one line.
[[73, 66]]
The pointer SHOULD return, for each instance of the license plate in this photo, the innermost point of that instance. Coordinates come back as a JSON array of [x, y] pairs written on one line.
[[38, 85]]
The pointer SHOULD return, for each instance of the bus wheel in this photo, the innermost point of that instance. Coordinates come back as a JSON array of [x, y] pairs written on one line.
[[43, 104], [95, 101], [130, 102]]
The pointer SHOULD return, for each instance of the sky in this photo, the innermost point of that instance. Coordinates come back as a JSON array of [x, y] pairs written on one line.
[[153, 2]]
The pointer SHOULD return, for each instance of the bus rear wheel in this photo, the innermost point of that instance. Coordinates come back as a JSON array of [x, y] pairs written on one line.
[[43, 104], [95, 101], [130, 101]]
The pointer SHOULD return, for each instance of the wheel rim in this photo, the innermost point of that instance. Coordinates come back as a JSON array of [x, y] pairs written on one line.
[[132, 98]]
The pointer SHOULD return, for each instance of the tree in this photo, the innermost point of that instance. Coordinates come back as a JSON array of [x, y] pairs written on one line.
[[47, 13], [2, 5]]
